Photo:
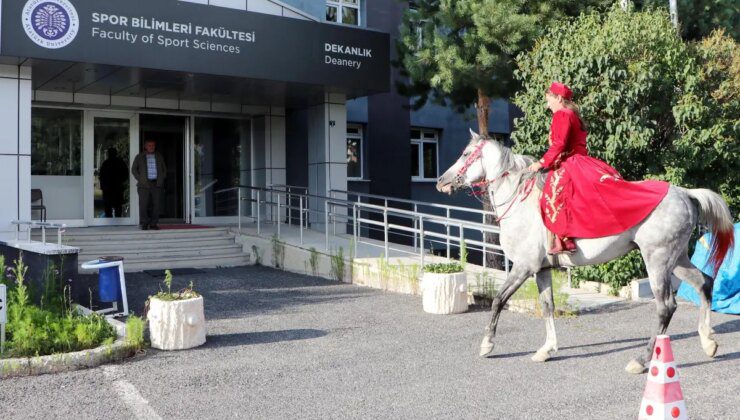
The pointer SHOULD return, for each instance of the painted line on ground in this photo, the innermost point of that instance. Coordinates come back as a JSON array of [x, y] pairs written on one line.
[[128, 393]]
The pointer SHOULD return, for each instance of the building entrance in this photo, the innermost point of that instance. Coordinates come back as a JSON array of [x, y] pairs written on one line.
[[170, 135]]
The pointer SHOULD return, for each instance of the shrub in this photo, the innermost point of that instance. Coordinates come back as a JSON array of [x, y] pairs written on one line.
[[616, 274], [169, 295], [33, 331], [338, 265], [444, 268], [135, 332]]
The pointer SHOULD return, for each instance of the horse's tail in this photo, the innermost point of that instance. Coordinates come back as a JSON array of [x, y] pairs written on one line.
[[713, 211]]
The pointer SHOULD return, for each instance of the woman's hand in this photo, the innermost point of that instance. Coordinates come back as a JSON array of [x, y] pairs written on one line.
[[535, 167]]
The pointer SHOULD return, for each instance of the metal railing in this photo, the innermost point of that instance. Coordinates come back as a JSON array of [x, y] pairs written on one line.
[[421, 223], [60, 227]]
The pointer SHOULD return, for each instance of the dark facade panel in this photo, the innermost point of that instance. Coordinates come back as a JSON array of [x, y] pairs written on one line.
[[188, 37]]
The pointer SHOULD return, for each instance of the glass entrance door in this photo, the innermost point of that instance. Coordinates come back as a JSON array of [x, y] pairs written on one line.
[[111, 143]]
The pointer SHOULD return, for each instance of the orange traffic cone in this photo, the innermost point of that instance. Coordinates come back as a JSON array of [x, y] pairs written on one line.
[[663, 398]]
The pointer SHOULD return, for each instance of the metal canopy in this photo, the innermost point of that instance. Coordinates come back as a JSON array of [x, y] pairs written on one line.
[[101, 79]]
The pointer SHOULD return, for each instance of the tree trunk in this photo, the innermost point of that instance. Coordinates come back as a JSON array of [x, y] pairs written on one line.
[[482, 110]]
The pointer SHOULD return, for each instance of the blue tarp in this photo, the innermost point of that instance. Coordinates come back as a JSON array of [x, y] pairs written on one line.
[[726, 295]]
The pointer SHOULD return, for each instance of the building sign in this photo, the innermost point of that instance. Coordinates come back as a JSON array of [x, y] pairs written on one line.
[[50, 23], [189, 37]]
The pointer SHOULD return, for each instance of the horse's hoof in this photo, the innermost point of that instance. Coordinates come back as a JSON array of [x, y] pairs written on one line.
[[634, 367], [541, 356], [710, 348], [486, 347]]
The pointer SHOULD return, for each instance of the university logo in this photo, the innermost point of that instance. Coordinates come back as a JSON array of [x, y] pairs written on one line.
[[50, 23]]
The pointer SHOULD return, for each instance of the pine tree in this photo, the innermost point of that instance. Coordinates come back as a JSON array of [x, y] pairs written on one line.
[[461, 52]]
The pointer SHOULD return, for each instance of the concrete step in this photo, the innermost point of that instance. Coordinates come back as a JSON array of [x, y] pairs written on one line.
[[161, 253], [125, 245], [136, 265]]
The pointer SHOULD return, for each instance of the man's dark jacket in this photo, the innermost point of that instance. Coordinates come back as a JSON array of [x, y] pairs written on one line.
[[139, 170]]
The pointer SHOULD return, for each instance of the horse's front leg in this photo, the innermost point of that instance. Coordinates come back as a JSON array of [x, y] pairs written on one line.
[[517, 276], [547, 302]]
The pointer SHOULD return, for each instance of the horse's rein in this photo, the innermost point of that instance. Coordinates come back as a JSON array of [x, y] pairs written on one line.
[[482, 186]]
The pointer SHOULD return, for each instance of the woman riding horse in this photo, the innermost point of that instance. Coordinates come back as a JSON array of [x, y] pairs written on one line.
[[583, 196]]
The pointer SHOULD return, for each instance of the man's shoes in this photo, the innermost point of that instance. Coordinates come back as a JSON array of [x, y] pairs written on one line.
[[144, 227], [154, 227]]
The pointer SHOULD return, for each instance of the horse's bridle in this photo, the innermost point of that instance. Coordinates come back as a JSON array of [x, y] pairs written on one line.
[[474, 156]]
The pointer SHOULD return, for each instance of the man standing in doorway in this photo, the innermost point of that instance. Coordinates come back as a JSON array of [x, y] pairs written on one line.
[[149, 170]]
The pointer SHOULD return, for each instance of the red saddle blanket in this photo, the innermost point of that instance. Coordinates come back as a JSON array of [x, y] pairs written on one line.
[[587, 198]]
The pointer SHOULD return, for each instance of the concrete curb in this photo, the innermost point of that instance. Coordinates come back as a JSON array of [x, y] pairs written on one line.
[[67, 362]]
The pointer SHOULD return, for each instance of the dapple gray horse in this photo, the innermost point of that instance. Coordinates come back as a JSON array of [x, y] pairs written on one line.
[[662, 238]]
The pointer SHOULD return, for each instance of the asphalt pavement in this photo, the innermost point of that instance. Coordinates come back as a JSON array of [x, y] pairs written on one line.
[[283, 345]]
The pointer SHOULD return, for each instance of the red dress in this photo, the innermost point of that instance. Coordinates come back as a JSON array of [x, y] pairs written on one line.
[[585, 197]]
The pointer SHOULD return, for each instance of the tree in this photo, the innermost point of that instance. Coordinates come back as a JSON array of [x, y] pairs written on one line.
[[461, 52], [657, 106], [698, 18]]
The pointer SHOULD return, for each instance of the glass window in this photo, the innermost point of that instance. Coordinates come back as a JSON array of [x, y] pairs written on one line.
[[424, 154], [331, 13], [56, 142], [354, 152], [350, 14], [430, 160], [111, 167], [415, 160], [222, 162]]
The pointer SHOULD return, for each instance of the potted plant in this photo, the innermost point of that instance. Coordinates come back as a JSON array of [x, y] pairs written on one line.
[[176, 319], [444, 288]]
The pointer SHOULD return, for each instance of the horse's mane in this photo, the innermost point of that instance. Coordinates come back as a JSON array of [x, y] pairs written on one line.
[[516, 165]]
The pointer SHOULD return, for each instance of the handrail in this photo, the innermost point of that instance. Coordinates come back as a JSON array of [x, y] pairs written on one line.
[[60, 227], [283, 197], [408, 201]]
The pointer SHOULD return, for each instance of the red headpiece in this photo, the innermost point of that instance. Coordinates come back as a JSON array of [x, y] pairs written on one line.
[[562, 90]]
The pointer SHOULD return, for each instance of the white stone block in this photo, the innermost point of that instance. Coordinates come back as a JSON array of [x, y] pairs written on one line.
[[177, 325], [444, 293], [641, 289]]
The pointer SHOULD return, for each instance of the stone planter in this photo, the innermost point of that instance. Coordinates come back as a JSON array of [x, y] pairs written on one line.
[[177, 324], [444, 293]]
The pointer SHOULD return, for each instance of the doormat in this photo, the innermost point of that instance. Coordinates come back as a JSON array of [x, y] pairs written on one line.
[[183, 226], [174, 271]]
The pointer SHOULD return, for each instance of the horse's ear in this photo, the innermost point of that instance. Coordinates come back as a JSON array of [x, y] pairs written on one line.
[[473, 134]]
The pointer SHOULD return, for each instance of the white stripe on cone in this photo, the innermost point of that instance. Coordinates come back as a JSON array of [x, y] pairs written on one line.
[[663, 398]]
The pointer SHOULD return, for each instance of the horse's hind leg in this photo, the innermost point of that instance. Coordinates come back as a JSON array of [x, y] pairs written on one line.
[[703, 284], [516, 277], [544, 285], [659, 266]]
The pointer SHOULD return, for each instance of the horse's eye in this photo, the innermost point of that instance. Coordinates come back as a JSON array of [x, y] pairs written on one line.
[[466, 154]]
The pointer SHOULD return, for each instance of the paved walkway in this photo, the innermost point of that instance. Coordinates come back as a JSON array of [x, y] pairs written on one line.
[[282, 345]]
